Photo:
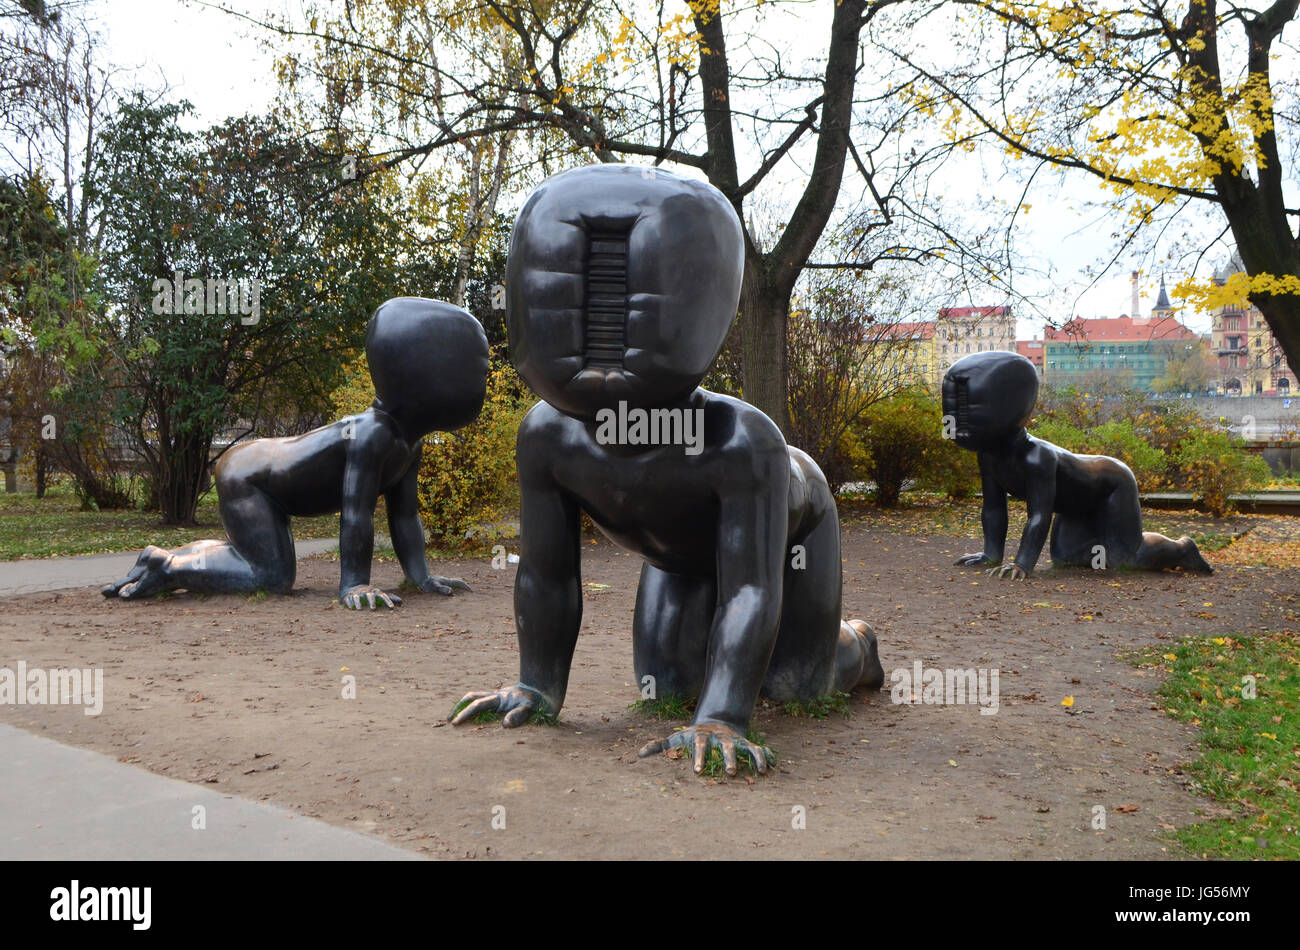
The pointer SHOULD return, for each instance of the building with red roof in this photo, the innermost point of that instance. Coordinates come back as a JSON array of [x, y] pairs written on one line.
[[1131, 350]]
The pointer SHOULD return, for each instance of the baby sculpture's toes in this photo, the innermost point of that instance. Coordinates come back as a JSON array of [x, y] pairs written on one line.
[[151, 559], [1192, 560], [873, 674], [149, 576]]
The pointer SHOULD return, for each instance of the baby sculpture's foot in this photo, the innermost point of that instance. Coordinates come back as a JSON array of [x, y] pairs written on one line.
[[147, 577], [1192, 560], [136, 572], [873, 674]]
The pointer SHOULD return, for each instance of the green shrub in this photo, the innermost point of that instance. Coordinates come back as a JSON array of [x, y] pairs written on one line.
[[1059, 432], [1118, 439], [1214, 465], [901, 439], [951, 470]]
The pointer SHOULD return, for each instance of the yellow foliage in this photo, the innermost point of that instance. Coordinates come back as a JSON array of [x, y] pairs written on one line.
[[1171, 128], [1208, 296]]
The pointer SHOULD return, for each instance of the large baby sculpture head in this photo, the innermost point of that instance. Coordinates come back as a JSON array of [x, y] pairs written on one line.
[[621, 285], [428, 361], [990, 396]]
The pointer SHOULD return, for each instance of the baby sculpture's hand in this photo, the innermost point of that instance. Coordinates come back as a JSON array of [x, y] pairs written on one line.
[[702, 736], [442, 585], [353, 595], [1017, 573], [516, 704]]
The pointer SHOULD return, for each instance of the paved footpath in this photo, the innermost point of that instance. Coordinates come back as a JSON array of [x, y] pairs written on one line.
[[58, 802], [62, 803], [96, 570]]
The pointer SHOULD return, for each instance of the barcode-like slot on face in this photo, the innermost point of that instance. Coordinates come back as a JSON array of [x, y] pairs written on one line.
[[963, 405], [606, 298]]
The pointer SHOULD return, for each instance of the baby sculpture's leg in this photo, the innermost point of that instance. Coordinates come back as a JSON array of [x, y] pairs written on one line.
[[815, 652], [670, 632], [1126, 543], [1158, 552], [259, 556], [1073, 539]]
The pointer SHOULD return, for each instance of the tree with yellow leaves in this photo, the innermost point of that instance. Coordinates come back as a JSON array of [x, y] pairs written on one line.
[[1166, 103]]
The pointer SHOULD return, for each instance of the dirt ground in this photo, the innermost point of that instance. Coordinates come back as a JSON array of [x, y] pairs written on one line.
[[246, 694]]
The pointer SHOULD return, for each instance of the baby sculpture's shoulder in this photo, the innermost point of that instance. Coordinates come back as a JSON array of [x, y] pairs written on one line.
[[734, 427], [368, 432], [1043, 456]]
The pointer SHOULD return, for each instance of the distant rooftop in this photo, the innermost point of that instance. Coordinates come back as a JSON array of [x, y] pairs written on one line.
[[964, 313], [919, 330], [1119, 329], [1032, 350]]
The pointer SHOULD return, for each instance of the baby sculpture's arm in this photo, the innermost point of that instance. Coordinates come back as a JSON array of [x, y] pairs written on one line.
[[357, 518], [548, 592], [993, 518], [407, 534], [751, 539], [1040, 502]]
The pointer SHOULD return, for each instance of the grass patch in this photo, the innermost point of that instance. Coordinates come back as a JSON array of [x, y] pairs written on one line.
[[1250, 748], [715, 767], [56, 526], [1214, 542], [666, 707], [820, 708]]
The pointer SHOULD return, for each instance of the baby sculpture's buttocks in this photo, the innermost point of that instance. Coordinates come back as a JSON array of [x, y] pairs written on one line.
[[1089, 503]]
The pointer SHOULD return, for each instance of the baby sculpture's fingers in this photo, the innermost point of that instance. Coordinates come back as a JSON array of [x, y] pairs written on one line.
[[701, 750], [443, 585], [353, 597], [729, 755], [475, 704], [653, 747], [758, 754], [1015, 571]]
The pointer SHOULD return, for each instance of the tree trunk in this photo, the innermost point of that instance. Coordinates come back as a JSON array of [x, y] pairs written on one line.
[[181, 476], [42, 466], [764, 311]]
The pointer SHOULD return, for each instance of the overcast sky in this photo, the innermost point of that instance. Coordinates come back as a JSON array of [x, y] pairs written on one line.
[[218, 63]]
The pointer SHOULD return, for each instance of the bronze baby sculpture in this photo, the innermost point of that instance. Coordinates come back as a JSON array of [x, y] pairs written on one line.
[[622, 283], [1090, 502], [428, 361]]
